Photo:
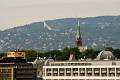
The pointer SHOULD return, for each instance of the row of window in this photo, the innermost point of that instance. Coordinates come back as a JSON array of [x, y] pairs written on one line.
[[81, 79], [5, 78], [83, 72], [71, 64], [5, 70]]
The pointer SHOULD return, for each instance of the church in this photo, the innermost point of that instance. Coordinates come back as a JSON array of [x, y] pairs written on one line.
[[78, 40]]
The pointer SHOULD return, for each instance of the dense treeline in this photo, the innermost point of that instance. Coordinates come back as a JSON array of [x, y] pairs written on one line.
[[2, 54], [64, 54]]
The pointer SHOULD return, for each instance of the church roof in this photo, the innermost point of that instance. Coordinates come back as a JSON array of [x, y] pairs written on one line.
[[38, 60], [105, 55], [47, 62], [78, 35]]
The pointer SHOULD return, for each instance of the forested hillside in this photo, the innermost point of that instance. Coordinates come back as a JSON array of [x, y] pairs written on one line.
[[103, 31]]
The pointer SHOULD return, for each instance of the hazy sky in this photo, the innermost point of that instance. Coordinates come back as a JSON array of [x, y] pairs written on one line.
[[20, 12]]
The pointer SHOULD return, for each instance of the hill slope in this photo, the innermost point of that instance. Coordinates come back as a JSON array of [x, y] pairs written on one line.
[[60, 33]]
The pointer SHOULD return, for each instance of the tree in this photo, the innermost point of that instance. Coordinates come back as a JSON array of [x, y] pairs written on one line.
[[116, 53], [31, 55], [90, 53], [76, 52], [65, 53], [2, 55], [55, 54], [68, 51]]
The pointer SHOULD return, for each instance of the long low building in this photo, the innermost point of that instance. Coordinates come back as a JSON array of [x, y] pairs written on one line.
[[83, 70], [104, 67]]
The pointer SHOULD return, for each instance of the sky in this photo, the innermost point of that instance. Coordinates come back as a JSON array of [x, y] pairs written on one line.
[[20, 12]]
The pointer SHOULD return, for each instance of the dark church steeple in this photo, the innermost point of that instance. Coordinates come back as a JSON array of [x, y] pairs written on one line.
[[78, 41]]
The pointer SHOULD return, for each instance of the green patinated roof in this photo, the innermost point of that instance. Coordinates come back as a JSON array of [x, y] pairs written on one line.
[[78, 35]]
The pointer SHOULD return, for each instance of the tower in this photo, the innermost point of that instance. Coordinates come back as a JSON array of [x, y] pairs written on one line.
[[78, 41]]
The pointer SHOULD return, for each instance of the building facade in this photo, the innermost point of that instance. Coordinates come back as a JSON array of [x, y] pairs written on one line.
[[104, 67], [16, 53], [38, 64], [13, 71], [6, 73], [16, 67], [82, 70]]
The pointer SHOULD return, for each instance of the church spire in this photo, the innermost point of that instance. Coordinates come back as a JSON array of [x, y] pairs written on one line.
[[78, 41], [78, 31]]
